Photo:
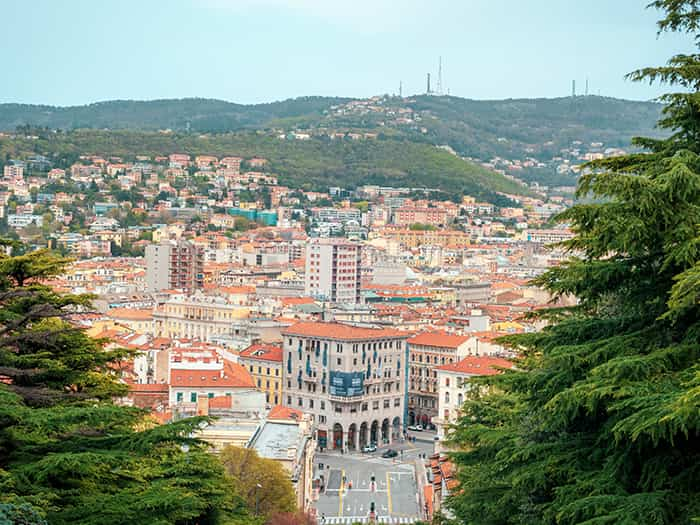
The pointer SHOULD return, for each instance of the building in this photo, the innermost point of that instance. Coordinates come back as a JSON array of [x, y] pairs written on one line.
[[350, 380], [198, 316], [333, 270], [13, 171], [427, 351], [453, 384], [286, 436], [213, 378], [174, 264], [136, 319], [264, 362], [20, 220]]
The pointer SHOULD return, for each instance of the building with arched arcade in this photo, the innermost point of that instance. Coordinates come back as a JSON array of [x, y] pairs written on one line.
[[351, 380]]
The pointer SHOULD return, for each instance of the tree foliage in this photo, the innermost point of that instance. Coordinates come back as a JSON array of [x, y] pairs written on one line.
[[601, 422], [68, 453], [268, 489]]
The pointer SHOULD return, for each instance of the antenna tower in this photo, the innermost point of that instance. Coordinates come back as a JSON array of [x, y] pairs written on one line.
[[439, 82], [428, 92], [573, 88], [586, 86], [400, 89]]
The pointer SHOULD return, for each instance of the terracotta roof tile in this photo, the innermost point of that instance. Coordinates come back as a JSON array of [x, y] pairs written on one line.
[[478, 365], [438, 339], [340, 331]]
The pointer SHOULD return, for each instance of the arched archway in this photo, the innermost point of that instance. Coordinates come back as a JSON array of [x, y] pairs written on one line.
[[396, 428], [363, 434], [374, 432], [385, 430], [352, 436], [411, 418], [337, 436]]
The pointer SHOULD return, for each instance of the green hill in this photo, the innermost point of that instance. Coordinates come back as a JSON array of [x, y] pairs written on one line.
[[312, 164]]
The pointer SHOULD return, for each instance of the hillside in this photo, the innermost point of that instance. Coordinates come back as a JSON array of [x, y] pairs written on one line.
[[476, 128], [198, 113], [310, 164]]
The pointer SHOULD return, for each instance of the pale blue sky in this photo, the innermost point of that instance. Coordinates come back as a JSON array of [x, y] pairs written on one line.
[[68, 52]]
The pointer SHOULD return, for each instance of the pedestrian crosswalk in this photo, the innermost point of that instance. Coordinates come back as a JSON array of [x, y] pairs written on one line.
[[348, 520]]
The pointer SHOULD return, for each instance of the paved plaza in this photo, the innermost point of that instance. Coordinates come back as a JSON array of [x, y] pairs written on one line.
[[349, 490]]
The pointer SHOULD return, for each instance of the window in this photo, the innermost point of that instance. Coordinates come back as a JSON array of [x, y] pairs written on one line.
[[210, 395], [364, 407], [277, 372], [259, 382], [289, 400], [338, 409], [179, 397], [375, 405], [268, 370], [323, 405], [447, 397], [193, 397], [397, 401], [386, 403], [447, 381], [300, 402], [339, 361], [460, 399], [311, 403]]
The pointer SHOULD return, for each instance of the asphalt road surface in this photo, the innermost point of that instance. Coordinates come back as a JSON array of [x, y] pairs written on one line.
[[394, 491]]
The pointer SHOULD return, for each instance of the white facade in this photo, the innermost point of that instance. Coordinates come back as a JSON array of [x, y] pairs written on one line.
[[333, 270], [350, 380]]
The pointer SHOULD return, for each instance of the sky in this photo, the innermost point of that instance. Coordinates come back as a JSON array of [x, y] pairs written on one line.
[[72, 52]]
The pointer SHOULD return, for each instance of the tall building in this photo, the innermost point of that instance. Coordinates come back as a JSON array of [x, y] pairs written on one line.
[[351, 380], [427, 351], [174, 264], [333, 270]]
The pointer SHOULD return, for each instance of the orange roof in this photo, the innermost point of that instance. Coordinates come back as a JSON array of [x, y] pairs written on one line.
[[428, 498], [288, 301], [132, 314], [233, 376], [438, 339], [478, 365], [282, 412], [221, 402], [340, 331], [263, 352]]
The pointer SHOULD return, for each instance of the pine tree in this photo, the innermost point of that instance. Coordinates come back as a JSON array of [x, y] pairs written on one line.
[[600, 424], [68, 453]]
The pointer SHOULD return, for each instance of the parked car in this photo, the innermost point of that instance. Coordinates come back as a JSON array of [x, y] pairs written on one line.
[[390, 453], [416, 428], [369, 448]]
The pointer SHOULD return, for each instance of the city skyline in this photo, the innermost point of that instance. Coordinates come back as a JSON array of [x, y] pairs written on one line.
[[259, 51]]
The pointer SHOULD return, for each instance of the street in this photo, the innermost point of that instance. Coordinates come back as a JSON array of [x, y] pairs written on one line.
[[349, 491]]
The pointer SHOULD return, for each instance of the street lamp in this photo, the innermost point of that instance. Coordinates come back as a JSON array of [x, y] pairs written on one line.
[[257, 498]]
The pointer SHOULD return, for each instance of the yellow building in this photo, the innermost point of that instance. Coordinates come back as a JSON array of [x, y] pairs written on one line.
[[264, 362]]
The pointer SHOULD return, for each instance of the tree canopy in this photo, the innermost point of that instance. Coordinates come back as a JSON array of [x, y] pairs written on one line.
[[68, 453], [600, 423]]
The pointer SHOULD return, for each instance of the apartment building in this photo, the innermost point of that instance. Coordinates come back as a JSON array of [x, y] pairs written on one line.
[[198, 316], [351, 380], [453, 381], [427, 351], [174, 264], [333, 270], [264, 362]]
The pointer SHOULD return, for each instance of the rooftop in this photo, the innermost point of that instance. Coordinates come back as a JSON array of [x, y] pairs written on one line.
[[438, 339], [340, 331], [478, 365]]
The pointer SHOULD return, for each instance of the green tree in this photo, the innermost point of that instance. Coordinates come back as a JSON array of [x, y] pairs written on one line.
[[601, 423], [268, 490], [68, 453]]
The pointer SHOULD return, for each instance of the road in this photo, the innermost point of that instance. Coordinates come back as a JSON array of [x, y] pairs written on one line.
[[394, 491]]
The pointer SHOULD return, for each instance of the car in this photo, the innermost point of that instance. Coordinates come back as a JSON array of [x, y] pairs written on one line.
[[369, 448], [415, 428], [390, 453]]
